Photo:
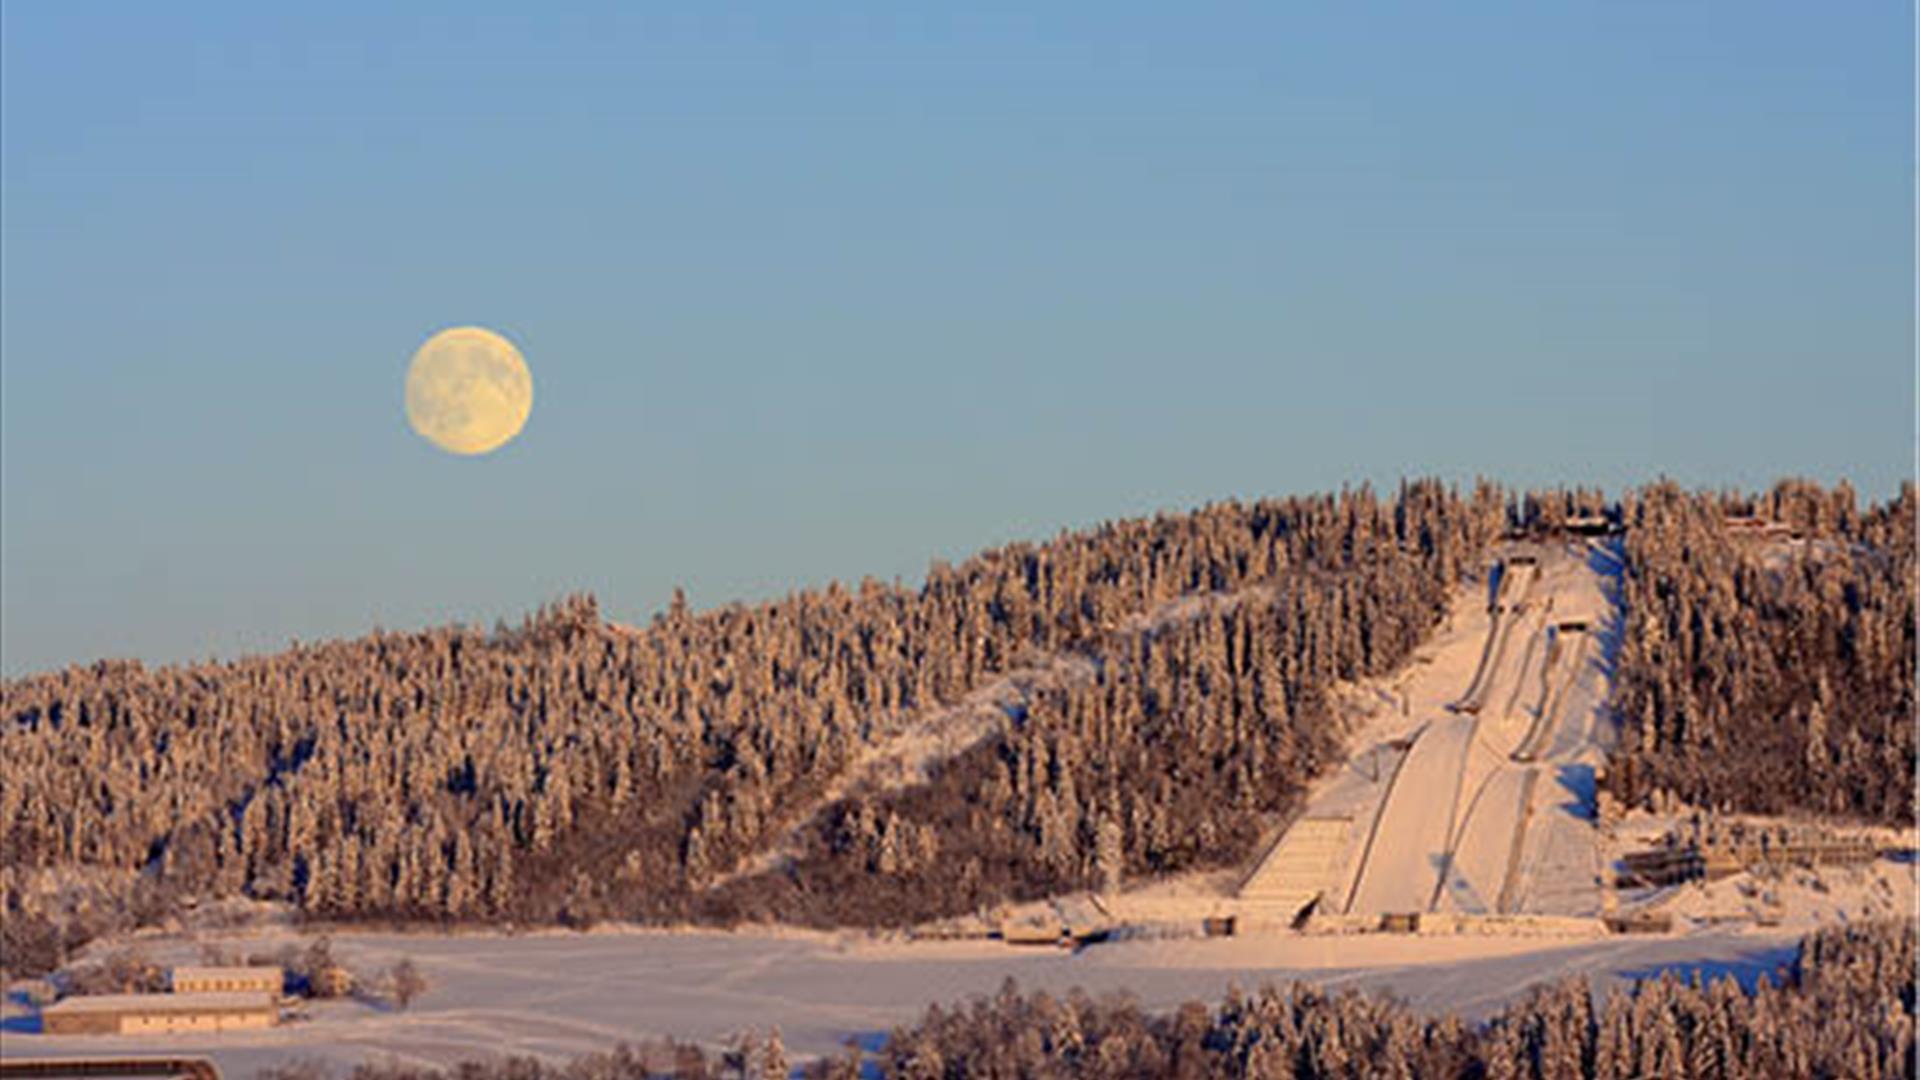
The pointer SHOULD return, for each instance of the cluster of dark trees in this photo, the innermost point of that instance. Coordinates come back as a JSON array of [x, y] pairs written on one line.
[[1844, 1008], [570, 769], [1769, 675], [1189, 743]]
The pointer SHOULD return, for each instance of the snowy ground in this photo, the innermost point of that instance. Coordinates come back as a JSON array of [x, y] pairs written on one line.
[[556, 994]]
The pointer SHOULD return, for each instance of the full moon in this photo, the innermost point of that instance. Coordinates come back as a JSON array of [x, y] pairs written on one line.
[[468, 391]]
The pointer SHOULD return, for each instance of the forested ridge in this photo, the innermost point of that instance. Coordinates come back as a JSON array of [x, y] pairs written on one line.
[[1189, 741], [570, 769], [1769, 677], [573, 769]]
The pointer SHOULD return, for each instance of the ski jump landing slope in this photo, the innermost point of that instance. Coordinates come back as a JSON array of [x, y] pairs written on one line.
[[1489, 809]]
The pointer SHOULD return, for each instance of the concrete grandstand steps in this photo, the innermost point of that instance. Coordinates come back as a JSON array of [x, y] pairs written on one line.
[[1280, 911], [1298, 870]]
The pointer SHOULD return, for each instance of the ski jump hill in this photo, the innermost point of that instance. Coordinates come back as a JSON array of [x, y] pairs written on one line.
[[1481, 802]]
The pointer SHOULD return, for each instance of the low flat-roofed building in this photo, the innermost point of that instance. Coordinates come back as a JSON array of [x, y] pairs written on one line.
[[108, 1067], [213, 980], [146, 1014]]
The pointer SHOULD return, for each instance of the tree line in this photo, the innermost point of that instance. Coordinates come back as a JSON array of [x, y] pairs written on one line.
[[1765, 676], [1844, 1008], [572, 769], [1188, 745]]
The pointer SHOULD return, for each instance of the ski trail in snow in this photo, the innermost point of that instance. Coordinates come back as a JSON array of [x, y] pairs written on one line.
[[920, 741]]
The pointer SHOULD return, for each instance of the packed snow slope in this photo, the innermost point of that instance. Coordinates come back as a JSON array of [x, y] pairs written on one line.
[[1488, 809]]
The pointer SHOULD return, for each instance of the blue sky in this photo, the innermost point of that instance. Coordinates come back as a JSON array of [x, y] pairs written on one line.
[[811, 292]]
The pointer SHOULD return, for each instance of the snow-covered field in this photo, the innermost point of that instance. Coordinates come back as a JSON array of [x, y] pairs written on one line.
[[557, 994]]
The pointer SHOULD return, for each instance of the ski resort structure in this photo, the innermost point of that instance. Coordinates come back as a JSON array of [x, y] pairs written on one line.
[[1476, 797]]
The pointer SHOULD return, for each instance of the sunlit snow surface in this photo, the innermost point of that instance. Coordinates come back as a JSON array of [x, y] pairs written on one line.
[[558, 994]]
